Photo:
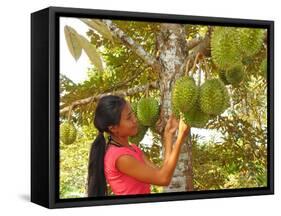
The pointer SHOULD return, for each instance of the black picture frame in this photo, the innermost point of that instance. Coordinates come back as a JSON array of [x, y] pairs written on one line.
[[45, 106]]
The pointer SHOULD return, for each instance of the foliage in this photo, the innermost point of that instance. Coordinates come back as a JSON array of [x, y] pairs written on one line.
[[238, 161], [74, 164]]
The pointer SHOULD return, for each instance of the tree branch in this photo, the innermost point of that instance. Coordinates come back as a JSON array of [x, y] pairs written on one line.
[[194, 42], [203, 47], [123, 93], [130, 43]]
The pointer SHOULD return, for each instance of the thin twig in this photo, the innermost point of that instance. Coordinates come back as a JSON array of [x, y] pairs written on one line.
[[195, 62], [187, 68], [206, 68]]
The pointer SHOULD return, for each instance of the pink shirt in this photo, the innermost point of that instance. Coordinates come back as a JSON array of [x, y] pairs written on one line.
[[120, 183]]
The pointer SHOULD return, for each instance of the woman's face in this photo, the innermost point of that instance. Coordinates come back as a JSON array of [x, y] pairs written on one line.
[[128, 125]]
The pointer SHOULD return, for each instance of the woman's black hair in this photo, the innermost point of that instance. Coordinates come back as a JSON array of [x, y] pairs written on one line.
[[108, 112]]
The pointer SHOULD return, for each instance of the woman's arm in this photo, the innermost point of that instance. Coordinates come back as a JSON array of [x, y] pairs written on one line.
[[148, 174], [167, 153], [149, 163], [170, 129], [170, 163]]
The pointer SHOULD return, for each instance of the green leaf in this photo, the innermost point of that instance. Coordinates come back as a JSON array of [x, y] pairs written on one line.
[[100, 27], [91, 52], [72, 41]]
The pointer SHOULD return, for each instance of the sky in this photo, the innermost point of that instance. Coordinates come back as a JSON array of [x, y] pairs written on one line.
[[75, 70]]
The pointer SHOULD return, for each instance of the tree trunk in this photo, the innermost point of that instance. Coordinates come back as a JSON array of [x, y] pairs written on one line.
[[172, 46]]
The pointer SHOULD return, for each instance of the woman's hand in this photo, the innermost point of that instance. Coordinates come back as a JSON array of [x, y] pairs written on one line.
[[183, 129], [171, 126]]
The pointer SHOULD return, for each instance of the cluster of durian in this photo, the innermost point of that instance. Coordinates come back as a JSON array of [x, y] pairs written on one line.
[[232, 47], [68, 133], [198, 104], [229, 45], [147, 112]]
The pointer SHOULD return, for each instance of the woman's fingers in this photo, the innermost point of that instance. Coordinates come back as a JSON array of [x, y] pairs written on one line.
[[183, 127], [172, 124]]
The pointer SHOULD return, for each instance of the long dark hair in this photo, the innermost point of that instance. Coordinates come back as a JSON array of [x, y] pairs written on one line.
[[108, 112]]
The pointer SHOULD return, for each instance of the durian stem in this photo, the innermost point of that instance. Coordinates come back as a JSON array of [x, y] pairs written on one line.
[[147, 91], [195, 62], [206, 69], [199, 75], [187, 68], [69, 114]]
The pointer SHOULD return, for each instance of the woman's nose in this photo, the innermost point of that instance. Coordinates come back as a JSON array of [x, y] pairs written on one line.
[[135, 120]]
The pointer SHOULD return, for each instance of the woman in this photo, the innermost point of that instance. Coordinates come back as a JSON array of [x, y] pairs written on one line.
[[123, 165]]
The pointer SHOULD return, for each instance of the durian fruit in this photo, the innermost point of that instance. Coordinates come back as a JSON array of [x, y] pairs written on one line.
[[235, 75], [231, 45], [213, 97], [184, 94], [250, 40], [68, 133], [175, 111], [140, 135], [222, 77], [224, 47], [195, 117], [147, 111]]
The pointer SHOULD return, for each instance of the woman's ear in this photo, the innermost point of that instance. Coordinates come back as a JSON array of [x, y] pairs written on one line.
[[114, 129]]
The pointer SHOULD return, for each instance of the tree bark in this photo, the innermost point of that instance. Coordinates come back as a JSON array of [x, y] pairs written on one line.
[[171, 42]]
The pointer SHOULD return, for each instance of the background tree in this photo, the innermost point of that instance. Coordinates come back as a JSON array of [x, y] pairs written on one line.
[[133, 59]]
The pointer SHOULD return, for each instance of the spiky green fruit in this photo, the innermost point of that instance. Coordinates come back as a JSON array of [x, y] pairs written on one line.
[[195, 117], [224, 49], [184, 94], [175, 111], [250, 40], [230, 46], [147, 111], [68, 133], [213, 97], [140, 135], [235, 75]]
